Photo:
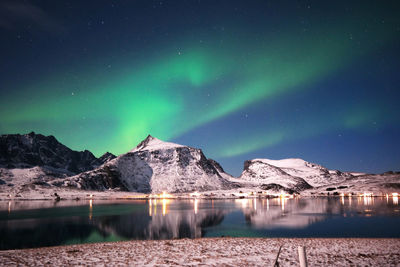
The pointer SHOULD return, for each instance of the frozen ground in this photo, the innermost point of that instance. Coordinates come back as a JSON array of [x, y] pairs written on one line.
[[213, 252]]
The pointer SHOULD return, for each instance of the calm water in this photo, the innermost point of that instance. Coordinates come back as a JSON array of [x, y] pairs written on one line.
[[26, 224]]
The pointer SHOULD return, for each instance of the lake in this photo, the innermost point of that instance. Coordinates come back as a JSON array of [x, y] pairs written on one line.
[[26, 224]]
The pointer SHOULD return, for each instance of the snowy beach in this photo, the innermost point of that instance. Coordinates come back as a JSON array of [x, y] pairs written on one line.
[[213, 252]]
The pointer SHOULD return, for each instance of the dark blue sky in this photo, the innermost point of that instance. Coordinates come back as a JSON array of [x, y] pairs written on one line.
[[240, 79]]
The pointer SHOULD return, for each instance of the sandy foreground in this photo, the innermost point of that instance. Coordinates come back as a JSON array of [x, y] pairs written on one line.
[[213, 252]]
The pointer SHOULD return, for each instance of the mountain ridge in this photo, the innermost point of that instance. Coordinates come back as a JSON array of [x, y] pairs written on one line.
[[155, 166], [30, 150]]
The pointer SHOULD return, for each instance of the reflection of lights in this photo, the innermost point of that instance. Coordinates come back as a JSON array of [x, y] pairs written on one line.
[[281, 201], [150, 207], [267, 204], [195, 206], [359, 199], [90, 209], [368, 199], [164, 206], [387, 198], [9, 206], [255, 204], [342, 200], [153, 206], [395, 198], [243, 202]]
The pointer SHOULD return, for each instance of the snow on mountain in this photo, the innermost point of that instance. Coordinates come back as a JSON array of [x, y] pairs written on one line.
[[263, 173], [155, 166], [152, 143], [314, 174]]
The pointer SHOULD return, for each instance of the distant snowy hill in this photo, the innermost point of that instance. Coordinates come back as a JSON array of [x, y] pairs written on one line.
[[314, 174], [156, 166], [260, 171]]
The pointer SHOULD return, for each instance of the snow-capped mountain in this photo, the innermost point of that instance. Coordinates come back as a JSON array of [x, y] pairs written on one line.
[[31, 150], [314, 174], [155, 166], [37, 162], [261, 172]]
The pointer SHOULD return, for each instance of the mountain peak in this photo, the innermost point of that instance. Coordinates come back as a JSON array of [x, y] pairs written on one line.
[[152, 143]]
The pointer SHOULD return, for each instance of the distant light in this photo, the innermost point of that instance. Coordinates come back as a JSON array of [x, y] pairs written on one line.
[[194, 194]]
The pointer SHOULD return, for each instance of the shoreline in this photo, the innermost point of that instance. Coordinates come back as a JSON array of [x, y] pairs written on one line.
[[71, 194], [225, 251]]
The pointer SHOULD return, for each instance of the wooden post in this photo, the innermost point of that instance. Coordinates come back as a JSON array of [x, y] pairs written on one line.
[[276, 264], [302, 256]]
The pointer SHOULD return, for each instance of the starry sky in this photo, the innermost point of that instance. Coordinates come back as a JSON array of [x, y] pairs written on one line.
[[318, 80]]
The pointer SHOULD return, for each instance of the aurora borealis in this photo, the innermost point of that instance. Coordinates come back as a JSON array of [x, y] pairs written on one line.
[[240, 79]]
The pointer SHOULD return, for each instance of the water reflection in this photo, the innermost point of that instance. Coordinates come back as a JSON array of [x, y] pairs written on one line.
[[86, 221], [90, 209], [395, 200]]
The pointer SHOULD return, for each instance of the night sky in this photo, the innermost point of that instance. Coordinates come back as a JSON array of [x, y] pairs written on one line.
[[319, 80]]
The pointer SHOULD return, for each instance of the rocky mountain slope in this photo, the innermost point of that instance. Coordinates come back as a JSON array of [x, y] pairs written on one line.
[[155, 166], [259, 171], [30, 150], [31, 160]]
